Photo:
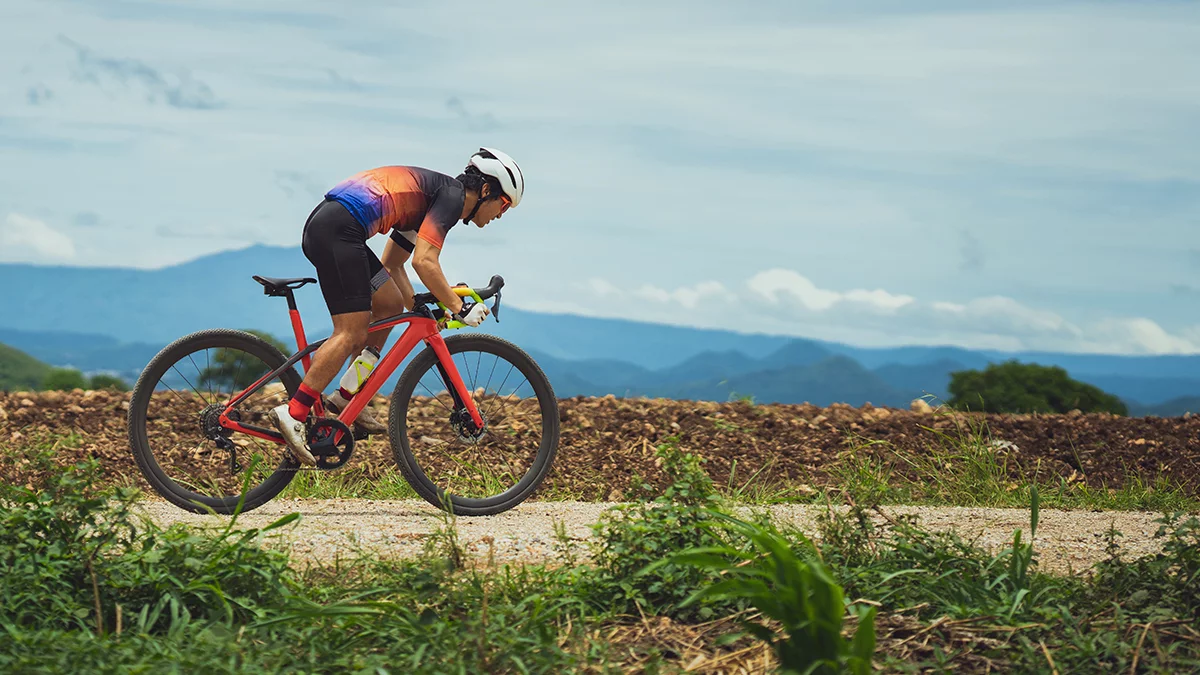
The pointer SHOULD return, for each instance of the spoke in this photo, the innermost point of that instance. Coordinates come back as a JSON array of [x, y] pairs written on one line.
[[471, 377], [208, 369], [510, 369], [495, 360], [198, 371], [432, 395], [172, 390], [503, 404], [189, 383], [461, 370], [237, 370], [477, 360]]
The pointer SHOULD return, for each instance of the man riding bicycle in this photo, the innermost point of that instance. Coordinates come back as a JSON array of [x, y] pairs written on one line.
[[418, 207]]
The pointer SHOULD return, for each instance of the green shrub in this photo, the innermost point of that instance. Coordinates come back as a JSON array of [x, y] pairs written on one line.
[[631, 537], [110, 382], [1013, 387], [70, 554], [64, 379]]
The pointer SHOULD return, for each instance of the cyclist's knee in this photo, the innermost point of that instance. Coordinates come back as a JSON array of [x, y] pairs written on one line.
[[352, 339]]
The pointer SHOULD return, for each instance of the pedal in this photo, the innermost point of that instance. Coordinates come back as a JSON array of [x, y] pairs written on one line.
[[359, 434]]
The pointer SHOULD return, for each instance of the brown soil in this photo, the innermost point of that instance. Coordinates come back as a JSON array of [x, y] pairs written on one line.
[[606, 442]]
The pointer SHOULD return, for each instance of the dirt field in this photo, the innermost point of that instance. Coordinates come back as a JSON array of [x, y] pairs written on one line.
[[605, 442]]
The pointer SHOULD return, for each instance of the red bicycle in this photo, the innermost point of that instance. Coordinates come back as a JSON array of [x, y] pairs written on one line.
[[477, 445]]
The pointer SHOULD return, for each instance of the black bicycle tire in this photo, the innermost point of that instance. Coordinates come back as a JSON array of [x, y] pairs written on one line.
[[401, 448], [136, 420]]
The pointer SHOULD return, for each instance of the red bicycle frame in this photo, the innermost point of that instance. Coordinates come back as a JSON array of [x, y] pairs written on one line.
[[421, 328]]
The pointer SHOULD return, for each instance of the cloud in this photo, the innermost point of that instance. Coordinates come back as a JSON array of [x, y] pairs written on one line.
[[1002, 315], [85, 219], [38, 94], [179, 91], [295, 183], [210, 232], [1141, 336], [342, 81], [22, 236], [602, 288], [797, 306], [779, 285], [687, 296], [483, 122], [690, 297], [971, 251]]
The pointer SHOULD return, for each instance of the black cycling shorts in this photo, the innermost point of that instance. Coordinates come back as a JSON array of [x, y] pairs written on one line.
[[348, 271]]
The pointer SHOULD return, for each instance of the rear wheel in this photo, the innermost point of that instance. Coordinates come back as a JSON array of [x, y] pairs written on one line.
[[449, 462], [180, 447]]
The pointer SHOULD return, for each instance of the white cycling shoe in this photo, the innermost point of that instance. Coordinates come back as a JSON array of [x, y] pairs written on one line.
[[293, 434]]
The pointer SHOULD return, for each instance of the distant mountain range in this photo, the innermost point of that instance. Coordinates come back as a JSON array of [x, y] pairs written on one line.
[[115, 320]]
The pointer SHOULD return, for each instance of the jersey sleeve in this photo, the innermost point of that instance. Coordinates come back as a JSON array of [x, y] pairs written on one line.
[[406, 240], [443, 213]]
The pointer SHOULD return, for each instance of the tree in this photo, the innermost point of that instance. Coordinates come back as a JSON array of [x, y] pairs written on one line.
[[234, 370], [1013, 387], [111, 382], [64, 379]]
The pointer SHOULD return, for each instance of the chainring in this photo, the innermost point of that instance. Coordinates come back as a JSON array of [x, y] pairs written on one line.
[[330, 453]]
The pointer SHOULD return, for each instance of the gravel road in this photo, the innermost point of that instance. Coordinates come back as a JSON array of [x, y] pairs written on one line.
[[1067, 541]]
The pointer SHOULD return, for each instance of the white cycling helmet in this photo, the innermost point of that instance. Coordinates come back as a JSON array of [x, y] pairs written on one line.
[[500, 166]]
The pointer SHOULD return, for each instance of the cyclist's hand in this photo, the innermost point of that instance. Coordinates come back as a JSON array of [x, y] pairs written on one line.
[[472, 313]]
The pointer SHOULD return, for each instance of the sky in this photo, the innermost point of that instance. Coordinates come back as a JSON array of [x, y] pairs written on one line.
[[1002, 175]]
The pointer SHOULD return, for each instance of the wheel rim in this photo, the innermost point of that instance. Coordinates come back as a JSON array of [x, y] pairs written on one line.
[[473, 466], [186, 447]]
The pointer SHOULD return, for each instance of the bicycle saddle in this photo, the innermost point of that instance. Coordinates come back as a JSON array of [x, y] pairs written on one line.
[[273, 286]]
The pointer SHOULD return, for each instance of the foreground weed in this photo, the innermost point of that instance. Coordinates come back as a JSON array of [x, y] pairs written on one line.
[[798, 592], [761, 488], [442, 546], [76, 558], [631, 537], [909, 567]]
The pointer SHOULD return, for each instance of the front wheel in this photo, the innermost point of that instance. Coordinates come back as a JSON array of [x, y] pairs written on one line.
[[449, 462]]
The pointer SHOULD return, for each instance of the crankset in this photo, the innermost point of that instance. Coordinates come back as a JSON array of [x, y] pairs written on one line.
[[330, 442]]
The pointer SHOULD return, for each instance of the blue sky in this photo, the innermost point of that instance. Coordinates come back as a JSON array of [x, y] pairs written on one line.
[[1017, 175]]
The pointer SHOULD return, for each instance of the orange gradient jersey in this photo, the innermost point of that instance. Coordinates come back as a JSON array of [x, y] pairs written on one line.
[[404, 199]]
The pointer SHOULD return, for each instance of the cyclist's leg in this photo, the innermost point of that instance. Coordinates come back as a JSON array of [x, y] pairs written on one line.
[[387, 300], [337, 246]]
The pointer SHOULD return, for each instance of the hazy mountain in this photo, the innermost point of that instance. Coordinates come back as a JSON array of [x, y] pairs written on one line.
[[112, 319]]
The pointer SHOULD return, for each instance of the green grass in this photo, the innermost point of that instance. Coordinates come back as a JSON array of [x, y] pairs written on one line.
[[348, 484], [86, 586]]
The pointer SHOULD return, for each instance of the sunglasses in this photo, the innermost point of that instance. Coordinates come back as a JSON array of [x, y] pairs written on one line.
[[505, 203]]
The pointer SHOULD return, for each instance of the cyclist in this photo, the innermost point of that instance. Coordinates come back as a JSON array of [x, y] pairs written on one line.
[[417, 207]]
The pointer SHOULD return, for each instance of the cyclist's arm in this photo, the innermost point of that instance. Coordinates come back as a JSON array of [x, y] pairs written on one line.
[[396, 251], [429, 270], [442, 215]]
